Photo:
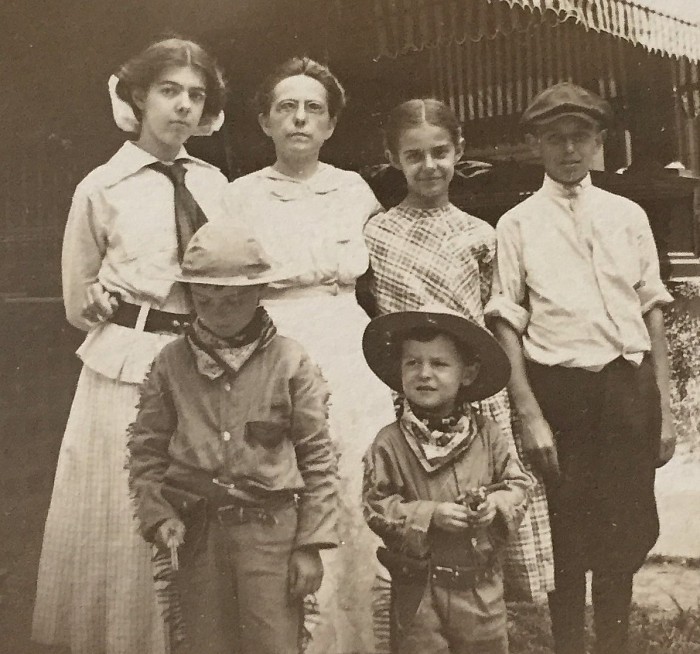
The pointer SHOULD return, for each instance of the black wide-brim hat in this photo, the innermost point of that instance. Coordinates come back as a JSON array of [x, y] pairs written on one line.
[[383, 332]]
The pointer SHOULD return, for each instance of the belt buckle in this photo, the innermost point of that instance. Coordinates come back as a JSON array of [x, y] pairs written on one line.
[[239, 514], [142, 317], [229, 487], [444, 570]]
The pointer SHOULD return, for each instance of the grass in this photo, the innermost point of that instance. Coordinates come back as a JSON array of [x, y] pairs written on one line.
[[652, 631]]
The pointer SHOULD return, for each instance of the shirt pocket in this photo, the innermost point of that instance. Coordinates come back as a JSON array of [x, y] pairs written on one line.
[[266, 433]]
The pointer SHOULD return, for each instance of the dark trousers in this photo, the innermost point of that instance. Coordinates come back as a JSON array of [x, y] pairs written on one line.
[[603, 515]]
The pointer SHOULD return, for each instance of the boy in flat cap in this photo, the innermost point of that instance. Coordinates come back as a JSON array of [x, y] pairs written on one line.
[[231, 465], [576, 304], [442, 488]]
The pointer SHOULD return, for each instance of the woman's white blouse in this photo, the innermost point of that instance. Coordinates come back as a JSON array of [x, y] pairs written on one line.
[[121, 232], [314, 226]]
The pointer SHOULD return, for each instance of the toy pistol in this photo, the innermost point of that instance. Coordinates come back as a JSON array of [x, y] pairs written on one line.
[[475, 497]]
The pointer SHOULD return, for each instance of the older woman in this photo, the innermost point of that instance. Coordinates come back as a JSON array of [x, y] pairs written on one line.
[[310, 215]]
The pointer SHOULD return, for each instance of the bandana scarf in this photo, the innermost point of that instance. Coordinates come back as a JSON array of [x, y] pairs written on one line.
[[436, 447], [216, 356]]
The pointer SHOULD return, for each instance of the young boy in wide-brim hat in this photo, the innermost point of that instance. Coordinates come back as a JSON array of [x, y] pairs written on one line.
[[576, 304], [442, 487], [231, 465]]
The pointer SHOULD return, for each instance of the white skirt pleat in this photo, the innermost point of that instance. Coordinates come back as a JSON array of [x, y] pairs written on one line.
[[95, 589]]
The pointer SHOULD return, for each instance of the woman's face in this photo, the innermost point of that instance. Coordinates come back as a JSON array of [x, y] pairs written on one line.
[[171, 109], [298, 121]]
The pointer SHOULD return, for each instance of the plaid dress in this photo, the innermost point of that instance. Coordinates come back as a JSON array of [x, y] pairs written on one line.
[[444, 255]]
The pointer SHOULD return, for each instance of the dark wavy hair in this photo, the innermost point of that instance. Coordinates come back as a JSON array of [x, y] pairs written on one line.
[[301, 66], [143, 69], [417, 112], [425, 334]]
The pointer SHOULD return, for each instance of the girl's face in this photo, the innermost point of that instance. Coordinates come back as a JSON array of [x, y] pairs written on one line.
[[298, 121], [427, 156], [171, 109], [225, 310]]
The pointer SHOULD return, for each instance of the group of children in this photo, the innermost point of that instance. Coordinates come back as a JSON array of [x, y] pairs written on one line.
[[232, 468]]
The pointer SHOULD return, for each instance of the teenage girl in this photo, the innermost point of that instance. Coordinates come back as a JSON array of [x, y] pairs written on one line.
[[95, 591], [425, 251]]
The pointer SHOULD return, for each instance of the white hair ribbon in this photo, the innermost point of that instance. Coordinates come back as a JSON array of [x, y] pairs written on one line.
[[126, 120]]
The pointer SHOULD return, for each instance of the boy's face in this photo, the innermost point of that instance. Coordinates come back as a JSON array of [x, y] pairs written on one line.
[[433, 372], [225, 309], [567, 147]]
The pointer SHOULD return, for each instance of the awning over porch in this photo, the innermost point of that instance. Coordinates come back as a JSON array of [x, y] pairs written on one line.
[[410, 25]]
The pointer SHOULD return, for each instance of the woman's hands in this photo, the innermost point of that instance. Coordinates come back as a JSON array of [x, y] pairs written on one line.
[[456, 517], [99, 304]]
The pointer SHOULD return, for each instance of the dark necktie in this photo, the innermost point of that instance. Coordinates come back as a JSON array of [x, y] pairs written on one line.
[[189, 216]]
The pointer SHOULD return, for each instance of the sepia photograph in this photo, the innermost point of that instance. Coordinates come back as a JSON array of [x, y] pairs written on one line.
[[350, 327]]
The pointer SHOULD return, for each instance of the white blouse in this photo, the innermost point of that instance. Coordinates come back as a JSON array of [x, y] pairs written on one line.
[[121, 232], [313, 225]]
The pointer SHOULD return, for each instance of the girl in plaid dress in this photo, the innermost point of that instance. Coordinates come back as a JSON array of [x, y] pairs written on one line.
[[426, 250]]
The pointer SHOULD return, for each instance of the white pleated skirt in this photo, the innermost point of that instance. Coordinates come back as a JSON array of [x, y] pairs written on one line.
[[95, 589]]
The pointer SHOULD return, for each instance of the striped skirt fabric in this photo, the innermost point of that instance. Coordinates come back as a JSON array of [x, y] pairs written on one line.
[[95, 589], [528, 564]]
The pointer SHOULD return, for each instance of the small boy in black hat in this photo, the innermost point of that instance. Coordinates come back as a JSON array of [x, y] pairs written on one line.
[[441, 487], [576, 304], [231, 465]]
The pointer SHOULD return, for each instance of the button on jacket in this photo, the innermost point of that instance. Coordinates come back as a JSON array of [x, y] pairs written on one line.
[[264, 429]]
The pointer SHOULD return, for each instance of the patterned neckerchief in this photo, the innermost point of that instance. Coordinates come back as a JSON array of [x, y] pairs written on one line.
[[435, 448], [255, 336]]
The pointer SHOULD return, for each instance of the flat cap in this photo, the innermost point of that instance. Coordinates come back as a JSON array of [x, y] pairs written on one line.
[[567, 99]]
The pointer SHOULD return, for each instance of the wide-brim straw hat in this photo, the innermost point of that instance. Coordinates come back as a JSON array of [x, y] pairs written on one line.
[[227, 254], [382, 334]]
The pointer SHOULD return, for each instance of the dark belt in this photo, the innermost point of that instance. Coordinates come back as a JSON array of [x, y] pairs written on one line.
[[459, 577], [206, 498], [408, 569], [215, 494], [240, 515], [127, 314]]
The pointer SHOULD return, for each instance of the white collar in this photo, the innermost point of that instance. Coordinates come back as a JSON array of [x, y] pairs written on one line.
[[324, 180], [556, 189], [130, 158]]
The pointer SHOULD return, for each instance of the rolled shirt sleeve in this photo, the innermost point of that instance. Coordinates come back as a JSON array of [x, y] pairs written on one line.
[[508, 290], [650, 289]]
